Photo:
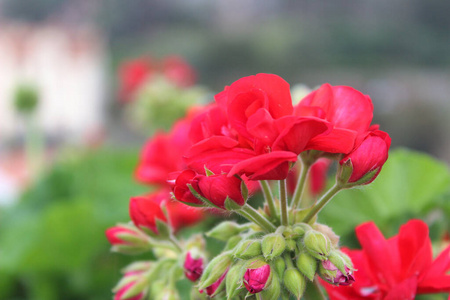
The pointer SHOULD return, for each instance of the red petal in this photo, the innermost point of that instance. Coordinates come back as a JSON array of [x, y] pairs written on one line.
[[269, 166], [339, 140], [404, 291], [379, 255]]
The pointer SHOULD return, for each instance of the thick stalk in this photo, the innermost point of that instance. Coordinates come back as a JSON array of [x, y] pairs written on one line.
[[283, 203], [322, 202], [254, 216], [267, 192], [296, 199]]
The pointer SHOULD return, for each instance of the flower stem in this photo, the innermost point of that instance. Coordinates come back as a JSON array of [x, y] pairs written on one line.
[[319, 289], [253, 215], [283, 203], [300, 184], [175, 242], [269, 198], [322, 202]]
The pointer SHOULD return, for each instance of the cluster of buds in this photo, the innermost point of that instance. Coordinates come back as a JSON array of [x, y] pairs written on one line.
[[254, 263]]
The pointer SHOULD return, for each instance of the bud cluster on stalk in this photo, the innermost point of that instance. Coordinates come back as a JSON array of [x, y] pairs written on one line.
[[273, 263]]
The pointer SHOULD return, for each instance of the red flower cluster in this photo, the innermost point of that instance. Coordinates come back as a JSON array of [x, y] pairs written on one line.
[[397, 268], [134, 73]]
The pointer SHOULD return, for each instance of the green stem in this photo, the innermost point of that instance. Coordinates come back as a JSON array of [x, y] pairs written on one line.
[[319, 289], [176, 243], [283, 203], [300, 184], [322, 202], [253, 215], [268, 197]]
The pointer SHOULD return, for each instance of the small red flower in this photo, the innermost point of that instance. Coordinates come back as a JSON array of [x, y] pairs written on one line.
[[144, 210], [255, 279], [369, 156], [397, 268], [193, 267]]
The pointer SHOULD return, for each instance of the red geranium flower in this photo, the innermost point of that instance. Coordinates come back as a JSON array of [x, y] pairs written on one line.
[[349, 111], [132, 75], [144, 210], [397, 268]]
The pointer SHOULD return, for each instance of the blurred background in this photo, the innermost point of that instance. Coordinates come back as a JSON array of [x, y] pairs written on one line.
[[68, 142]]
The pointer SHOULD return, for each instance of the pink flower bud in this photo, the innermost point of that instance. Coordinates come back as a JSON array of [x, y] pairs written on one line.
[[211, 290], [113, 232], [332, 274], [369, 156], [193, 267], [255, 279], [128, 282]]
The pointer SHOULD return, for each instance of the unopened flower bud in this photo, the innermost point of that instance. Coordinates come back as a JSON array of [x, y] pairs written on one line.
[[330, 273], [248, 249], [255, 279], [232, 242], [193, 267], [317, 244], [133, 286], [127, 239], [294, 282], [215, 269], [273, 245], [291, 245], [279, 265], [234, 279], [226, 230], [334, 238], [307, 265], [216, 286], [273, 289]]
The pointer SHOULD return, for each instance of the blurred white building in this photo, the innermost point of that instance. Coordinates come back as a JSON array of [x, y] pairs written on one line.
[[67, 67]]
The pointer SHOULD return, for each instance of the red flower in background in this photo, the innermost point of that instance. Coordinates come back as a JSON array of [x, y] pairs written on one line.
[[178, 71], [136, 72], [132, 74], [144, 210], [397, 268]]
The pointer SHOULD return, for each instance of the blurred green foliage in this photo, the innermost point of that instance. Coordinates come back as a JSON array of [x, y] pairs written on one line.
[[52, 242]]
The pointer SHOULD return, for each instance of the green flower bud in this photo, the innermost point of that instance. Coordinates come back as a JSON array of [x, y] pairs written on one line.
[[215, 269], [225, 230], [307, 265], [317, 244], [233, 242], [273, 245], [234, 279], [334, 238], [294, 282], [248, 249], [291, 245], [279, 265], [341, 261]]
